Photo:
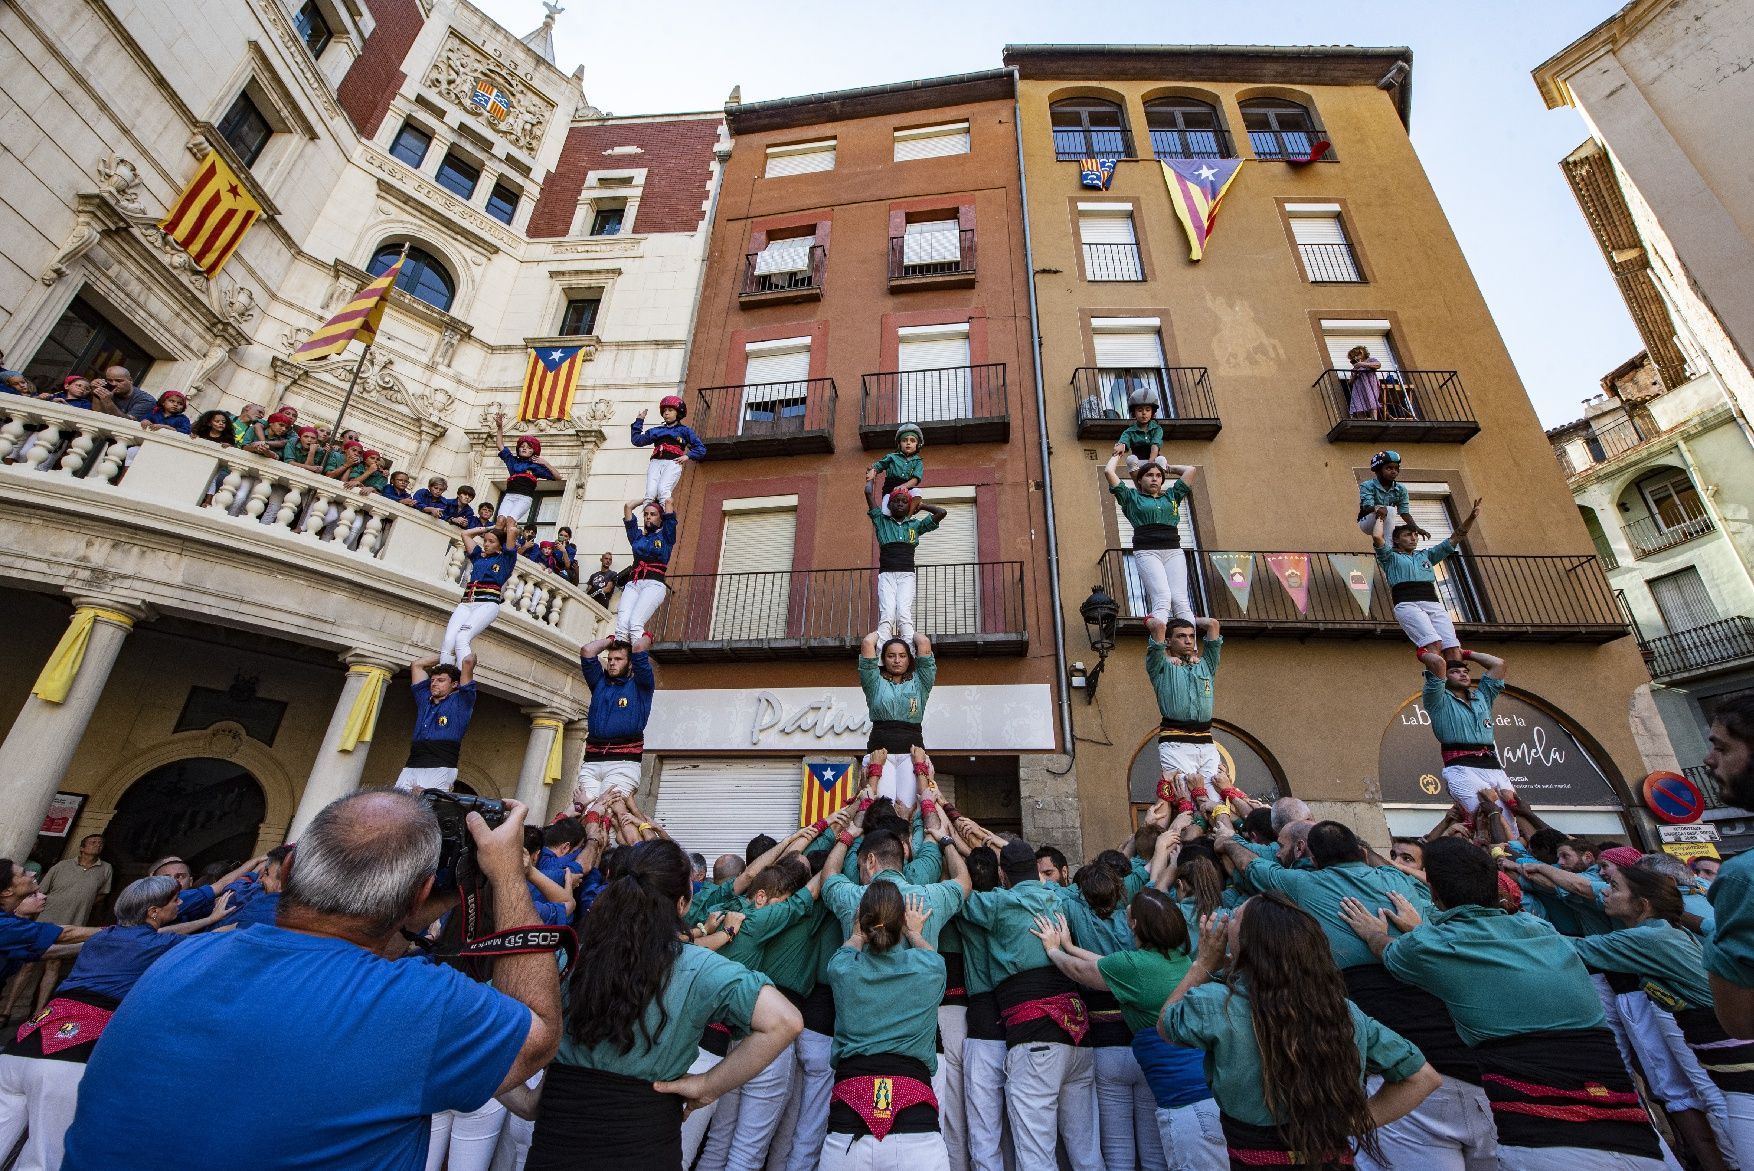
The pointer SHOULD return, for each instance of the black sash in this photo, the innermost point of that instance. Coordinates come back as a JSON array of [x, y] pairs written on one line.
[[1415, 1014], [1717, 1051], [955, 989], [1107, 1026], [983, 1017], [818, 1010], [1251, 1146], [621, 1121], [897, 736], [1414, 591], [1154, 536], [434, 754], [1564, 1088], [895, 557]]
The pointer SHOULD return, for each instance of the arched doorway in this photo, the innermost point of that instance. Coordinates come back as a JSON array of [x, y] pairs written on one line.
[[202, 809], [1246, 759]]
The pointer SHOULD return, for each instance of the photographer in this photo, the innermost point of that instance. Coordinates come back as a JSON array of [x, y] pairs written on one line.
[[368, 1048]]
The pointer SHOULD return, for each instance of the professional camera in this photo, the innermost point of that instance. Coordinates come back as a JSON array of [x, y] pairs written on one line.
[[457, 847]]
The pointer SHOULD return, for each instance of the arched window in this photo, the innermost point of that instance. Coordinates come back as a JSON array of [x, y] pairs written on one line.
[[1090, 128], [1279, 129], [424, 276], [1186, 128]]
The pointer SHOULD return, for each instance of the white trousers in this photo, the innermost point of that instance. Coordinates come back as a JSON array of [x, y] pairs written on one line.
[[1164, 574], [1739, 1115], [1050, 1091], [464, 1140], [895, 606], [1452, 1130], [983, 1098], [468, 620], [598, 775], [661, 477], [1672, 1073], [814, 1090], [38, 1095], [516, 507], [514, 1138], [1192, 1137], [413, 780], [896, 781], [1127, 1111], [1465, 783], [897, 1152], [639, 601], [694, 1127], [1194, 759], [947, 1084], [1425, 623], [738, 1141], [1570, 1159]]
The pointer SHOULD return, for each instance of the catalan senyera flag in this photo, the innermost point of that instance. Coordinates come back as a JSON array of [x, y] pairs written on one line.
[[359, 318], [1196, 188], [212, 215], [827, 787], [549, 382]]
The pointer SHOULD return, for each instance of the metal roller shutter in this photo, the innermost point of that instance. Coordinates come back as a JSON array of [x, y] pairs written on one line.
[[1130, 359], [933, 383], [931, 142], [1432, 512], [755, 579], [1317, 229], [932, 242], [1341, 336], [1103, 226], [949, 597], [715, 806], [1683, 600], [776, 370], [799, 159]]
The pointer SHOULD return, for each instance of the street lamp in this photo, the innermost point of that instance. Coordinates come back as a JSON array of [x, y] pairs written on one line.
[[1101, 614]]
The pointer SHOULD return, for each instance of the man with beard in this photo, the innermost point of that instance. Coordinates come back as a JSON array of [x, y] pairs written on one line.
[[1461, 719], [1729, 952], [622, 685]]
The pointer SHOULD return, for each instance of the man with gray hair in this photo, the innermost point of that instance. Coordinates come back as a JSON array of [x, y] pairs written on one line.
[[1287, 810], [368, 1047]]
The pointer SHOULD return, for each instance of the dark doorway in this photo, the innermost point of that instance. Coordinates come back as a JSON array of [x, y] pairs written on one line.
[[202, 810], [84, 342]]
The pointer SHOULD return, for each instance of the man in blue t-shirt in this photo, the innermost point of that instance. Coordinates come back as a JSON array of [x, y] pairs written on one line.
[[22, 939], [444, 701], [368, 1048]]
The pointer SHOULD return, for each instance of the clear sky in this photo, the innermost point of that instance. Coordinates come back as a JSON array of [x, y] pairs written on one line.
[[1490, 147]]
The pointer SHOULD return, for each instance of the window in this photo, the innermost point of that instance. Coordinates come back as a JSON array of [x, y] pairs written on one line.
[[947, 567], [84, 342], [931, 142], [550, 496], [934, 382], [458, 176], [245, 130], [410, 145], [580, 318], [606, 219], [1322, 245], [1672, 498], [1089, 128], [783, 264], [1136, 605], [502, 202], [1279, 129], [423, 276], [776, 385], [800, 158], [754, 590], [1186, 128], [312, 28], [1683, 601], [931, 247], [1341, 337], [1129, 358], [1432, 511], [1111, 250]]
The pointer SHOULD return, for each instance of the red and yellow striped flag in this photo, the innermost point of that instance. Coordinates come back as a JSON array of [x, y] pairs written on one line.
[[827, 787], [210, 219], [549, 382], [359, 318]]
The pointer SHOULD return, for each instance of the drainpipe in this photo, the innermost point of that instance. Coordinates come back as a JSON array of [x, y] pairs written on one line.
[[1041, 418]]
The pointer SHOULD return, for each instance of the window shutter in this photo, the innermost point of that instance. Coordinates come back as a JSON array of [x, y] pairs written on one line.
[[932, 242], [948, 598], [933, 349], [754, 589], [799, 159], [1106, 227], [930, 142], [715, 806], [777, 373], [934, 379], [1683, 600], [1317, 229], [1124, 349], [791, 255]]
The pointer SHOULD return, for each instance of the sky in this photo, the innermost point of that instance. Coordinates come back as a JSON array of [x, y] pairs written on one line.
[[1488, 144]]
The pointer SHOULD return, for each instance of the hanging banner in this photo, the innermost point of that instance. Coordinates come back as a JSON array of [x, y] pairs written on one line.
[[1358, 571], [1238, 572], [1292, 570], [1096, 174]]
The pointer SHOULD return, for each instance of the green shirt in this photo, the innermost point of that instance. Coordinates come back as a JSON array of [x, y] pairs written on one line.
[[1135, 436], [1319, 892], [1142, 982], [712, 896], [1184, 690], [789, 959], [293, 452], [702, 987], [899, 467], [841, 896], [1398, 568], [762, 925], [1091, 932], [977, 958], [1141, 509], [1217, 1019], [1501, 975], [1669, 960], [1008, 915], [1730, 950], [902, 532], [886, 1003], [1371, 494], [885, 699], [1458, 721]]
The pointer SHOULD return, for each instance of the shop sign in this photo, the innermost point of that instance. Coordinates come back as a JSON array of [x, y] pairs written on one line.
[[998, 718], [1543, 759]]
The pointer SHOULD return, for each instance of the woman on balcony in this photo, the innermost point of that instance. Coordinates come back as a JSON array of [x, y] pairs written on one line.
[[1364, 391], [653, 539], [896, 689], [1152, 505]]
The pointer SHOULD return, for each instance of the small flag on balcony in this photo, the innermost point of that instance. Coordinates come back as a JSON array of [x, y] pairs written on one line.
[[1317, 149], [359, 318], [1292, 570], [549, 382], [1196, 188], [1097, 174], [1358, 571], [1238, 572], [828, 785], [212, 215]]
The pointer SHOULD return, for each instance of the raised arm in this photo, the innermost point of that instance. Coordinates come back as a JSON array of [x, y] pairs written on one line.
[[1183, 472], [871, 487], [1111, 470], [419, 668], [1495, 666], [499, 429], [1208, 628], [922, 644], [934, 511], [789, 845], [1468, 521], [1074, 962]]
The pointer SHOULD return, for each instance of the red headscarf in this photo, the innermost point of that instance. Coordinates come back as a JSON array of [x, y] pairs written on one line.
[[535, 444]]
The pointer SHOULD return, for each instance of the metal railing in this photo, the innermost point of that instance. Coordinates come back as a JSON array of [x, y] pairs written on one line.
[[1330, 264], [941, 400], [1716, 644], [1530, 598], [1074, 143], [932, 255], [1113, 262], [795, 280], [1601, 444], [1412, 404], [1283, 144], [966, 608], [1191, 144], [1652, 534], [1708, 786], [1185, 405], [768, 418]]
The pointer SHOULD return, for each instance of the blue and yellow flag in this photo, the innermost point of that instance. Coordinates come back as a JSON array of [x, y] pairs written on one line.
[[1096, 174], [827, 787], [1196, 188]]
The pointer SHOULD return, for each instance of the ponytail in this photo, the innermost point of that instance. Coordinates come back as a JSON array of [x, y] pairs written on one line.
[[882, 916]]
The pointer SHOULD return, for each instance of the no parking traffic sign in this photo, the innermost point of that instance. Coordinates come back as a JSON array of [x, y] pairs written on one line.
[[1673, 798]]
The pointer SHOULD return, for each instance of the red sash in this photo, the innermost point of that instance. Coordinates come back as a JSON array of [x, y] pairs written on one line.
[[65, 1023], [1065, 1010], [879, 1099]]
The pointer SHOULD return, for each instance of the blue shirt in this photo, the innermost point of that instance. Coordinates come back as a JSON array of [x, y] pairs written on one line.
[[491, 569], [652, 546], [555, 867], [260, 909], [553, 914], [194, 903], [619, 707], [114, 959], [427, 498], [447, 719], [179, 422], [665, 437], [393, 493], [395, 1042], [23, 941], [522, 474]]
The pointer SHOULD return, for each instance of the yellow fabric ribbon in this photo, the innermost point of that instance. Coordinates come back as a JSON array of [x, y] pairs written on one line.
[[362, 718], [551, 770], [62, 669]]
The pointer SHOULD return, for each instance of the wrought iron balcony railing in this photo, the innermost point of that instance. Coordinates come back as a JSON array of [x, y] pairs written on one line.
[[1723, 643], [763, 283], [1413, 406], [1330, 264], [1653, 534], [1185, 407], [938, 258], [1073, 143], [768, 418], [957, 404], [1191, 144], [1113, 262]]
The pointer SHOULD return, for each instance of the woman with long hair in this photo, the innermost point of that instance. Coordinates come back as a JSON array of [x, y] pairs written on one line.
[[637, 1002], [1286, 1052], [896, 687], [215, 427]]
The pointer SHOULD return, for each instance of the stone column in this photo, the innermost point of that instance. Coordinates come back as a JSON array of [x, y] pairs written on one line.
[[546, 727], [41, 743], [560, 793], [336, 771]]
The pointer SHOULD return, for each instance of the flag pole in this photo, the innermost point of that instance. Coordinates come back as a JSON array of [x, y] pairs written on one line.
[[347, 399]]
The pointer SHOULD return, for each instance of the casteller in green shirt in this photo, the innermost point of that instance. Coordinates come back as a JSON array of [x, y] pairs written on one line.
[[886, 1002], [1320, 891], [1729, 952], [841, 896], [1008, 916], [1142, 981], [1184, 690]]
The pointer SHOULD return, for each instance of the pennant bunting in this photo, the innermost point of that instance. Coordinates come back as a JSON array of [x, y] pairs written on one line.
[[1196, 188], [359, 318], [211, 216], [1238, 572], [1292, 570], [549, 382], [828, 785], [1097, 174], [1358, 571]]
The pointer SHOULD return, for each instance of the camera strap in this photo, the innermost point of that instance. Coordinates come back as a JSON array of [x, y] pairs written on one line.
[[513, 941]]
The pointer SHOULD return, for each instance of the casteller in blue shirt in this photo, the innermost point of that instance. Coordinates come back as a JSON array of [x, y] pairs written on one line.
[[113, 960], [23, 941]]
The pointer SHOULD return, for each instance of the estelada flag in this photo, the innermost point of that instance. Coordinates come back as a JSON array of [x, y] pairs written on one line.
[[1196, 188], [549, 382], [827, 787], [359, 318], [212, 215]]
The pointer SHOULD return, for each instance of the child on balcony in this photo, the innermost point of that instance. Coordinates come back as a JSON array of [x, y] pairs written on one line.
[[1364, 393], [523, 468], [1412, 577], [1142, 441], [172, 413], [465, 513], [1152, 505], [432, 499], [673, 444], [898, 532], [490, 566], [1380, 493], [903, 469]]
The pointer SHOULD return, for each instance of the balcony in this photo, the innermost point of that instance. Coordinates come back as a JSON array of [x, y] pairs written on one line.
[[1600, 444], [957, 404], [1185, 407], [966, 610], [1649, 535], [1191, 144], [1419, 406], [1330, 264], [1708, 787], [1715, 646], [1074, 144], [1113, 262], [768, 418], [937, 260], [1502, 598], [764, 283]]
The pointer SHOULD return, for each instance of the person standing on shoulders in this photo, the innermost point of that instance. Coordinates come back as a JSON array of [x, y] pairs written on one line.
[[444, 703]]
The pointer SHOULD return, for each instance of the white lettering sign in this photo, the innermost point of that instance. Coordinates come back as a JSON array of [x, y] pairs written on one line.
[[1000, 718], [821, 718]]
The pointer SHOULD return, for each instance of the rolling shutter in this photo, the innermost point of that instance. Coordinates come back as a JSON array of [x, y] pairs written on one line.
[[948, 598], [714, 807], [1100, 224], [930, 142], [1118, 349], [754, 587], [1317, 229], [789, 255], [933, 382], [1430, 505], [1323, 248], [1340, 336], [799, 158], [932, 242], [1111, 248], [776, 370], [1683, 600]]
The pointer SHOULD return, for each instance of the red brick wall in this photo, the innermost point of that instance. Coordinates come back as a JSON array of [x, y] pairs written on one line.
[[376, 74], [677, 158]]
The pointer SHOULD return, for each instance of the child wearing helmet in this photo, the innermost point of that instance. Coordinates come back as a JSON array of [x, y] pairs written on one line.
[[1142, 441], [1380, 493], [673, 444], [902, 468], [524, 466]]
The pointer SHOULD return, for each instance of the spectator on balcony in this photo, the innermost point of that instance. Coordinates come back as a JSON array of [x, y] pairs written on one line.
[[601, 585], [276, 430], [1381, 493], [1182, 670], [490, 567], [899, 530], [249, 427], [673, 444], [465, 512], [896, 688], [652, 539], [622, 685], [299, 446], [15, 383], [352, 457], [531, 549], [1461, 719], [1152, 505], [369, 478], [75, 392], [397, 489], [444, 702], [1729, 954], [903, 469], [524, 467], [1412, 576], [1142, 442], [564, 556], [433, 501], [116, 394], [171, 413], [215, 427], [1363, 391]]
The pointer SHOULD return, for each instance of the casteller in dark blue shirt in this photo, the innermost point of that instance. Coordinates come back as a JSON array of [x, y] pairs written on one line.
[[439, 725], [113, 960]]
